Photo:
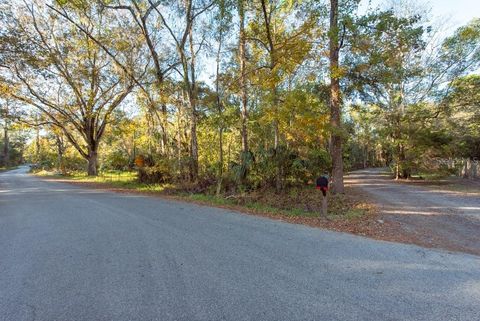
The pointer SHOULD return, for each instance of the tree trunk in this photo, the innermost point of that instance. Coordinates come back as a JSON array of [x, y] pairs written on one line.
[[401, 171], [60, 151], [37, 141], [406, 171], [192, 93], [220, 165], [92, 163], [243, 80], [193, 146], [335, 116], [366, 156], [220, 114], [6, 148], [6, 141], [165, 149], [276, 143], [179, 144], [60, 163]]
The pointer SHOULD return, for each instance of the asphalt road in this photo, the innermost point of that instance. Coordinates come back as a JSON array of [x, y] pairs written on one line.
[[69, 253]]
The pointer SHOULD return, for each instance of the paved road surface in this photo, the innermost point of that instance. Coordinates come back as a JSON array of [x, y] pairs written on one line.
[[69, 253]]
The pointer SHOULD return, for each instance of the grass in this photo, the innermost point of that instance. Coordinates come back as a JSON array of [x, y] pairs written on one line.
[[7, 168], [251, 205], [296, 202], [448, 183], [116, 178], [458, 185]]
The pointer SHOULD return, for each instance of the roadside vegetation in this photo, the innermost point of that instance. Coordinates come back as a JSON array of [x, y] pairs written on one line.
[[349, 212], [3, 168], [301, 203]]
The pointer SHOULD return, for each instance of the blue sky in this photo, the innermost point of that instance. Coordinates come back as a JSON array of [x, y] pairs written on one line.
[[460, 11], [454, 12]]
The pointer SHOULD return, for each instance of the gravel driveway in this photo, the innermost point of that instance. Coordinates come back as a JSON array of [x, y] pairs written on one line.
[[428, 216]]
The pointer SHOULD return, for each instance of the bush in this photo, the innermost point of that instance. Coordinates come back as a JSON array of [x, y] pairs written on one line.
[[158, 173], [116, 160]]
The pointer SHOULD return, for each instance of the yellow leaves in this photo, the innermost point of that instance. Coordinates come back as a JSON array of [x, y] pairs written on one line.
[[287, 5], [4, 89], [76, 4], [306, 129], [7, 89], [279, 46], [338, 72], [302, 117]]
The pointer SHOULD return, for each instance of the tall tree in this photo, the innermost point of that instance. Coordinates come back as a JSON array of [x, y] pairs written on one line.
[[335, 44], [142, 14], [67, 77], [242, 59], [6, 141], [188, 12], [395, 63], [279, 49]]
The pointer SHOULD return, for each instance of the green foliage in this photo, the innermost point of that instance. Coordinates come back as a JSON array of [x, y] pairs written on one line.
[[116, 160], [462, 112], [407, 102], [241, 170]]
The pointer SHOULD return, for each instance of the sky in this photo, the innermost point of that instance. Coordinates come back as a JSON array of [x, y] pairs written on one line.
[[460, 11], [454, 12]]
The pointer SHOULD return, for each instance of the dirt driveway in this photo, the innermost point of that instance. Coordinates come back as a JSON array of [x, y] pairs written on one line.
[[425, 215]]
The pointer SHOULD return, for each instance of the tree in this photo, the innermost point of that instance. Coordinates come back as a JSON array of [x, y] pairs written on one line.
[[384, 59], [462, 105], [142, 14], [335, 102], [67, 77], [186, 50], [6, 141], [390, 67], [278, 51], [242, 60]]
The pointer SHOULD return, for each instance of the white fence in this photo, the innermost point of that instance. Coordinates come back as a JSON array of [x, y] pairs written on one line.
[[462, 167], [469, 168]]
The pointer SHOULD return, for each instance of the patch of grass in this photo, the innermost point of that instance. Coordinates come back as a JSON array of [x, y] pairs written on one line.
[[7, 168], [354, 213], [429, 176], [458, 185], [295, 202], [154, 188], [292, 212], [105, 177], [210, 199], [112, 178], [259, 207]]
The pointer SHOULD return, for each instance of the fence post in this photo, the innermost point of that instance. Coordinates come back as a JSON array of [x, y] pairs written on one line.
[[469, 168]]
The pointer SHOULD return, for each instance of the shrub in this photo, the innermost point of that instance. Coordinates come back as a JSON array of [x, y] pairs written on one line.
[[161, 172]]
